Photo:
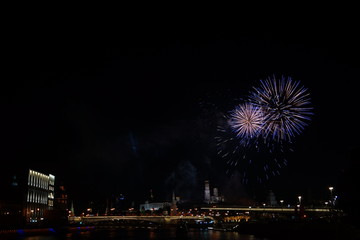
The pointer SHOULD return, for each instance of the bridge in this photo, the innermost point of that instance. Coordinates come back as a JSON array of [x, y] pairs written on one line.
[[199, 218], [279, 211], [154, 219], [268, 209]]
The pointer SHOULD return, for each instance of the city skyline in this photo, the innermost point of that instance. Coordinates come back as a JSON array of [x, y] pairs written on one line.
[[142, 114]]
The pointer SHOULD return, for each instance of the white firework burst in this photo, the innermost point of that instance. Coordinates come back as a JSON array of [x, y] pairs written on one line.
[[246, 121]]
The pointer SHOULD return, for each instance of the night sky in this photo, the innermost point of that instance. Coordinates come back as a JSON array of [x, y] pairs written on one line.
[[136, 109]]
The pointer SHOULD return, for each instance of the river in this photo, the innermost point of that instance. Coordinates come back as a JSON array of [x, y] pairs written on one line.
[[133, 234]]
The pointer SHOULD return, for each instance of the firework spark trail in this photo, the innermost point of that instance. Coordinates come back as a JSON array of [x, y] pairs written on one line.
[[256, 160]]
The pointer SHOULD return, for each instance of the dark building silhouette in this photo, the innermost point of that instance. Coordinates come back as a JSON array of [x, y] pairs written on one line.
[[59, 214], [61, 200], [348, 187]]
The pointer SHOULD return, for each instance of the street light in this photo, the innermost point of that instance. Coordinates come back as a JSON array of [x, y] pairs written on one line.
[[299, 197], [331, 196], [264, 208]]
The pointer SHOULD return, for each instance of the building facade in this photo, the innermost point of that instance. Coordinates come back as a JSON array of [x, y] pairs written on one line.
[[27, 198], [40, 195]]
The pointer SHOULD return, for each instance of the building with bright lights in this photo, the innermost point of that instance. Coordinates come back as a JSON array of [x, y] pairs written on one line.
[[153, 206], [27, 197], [40, 195]]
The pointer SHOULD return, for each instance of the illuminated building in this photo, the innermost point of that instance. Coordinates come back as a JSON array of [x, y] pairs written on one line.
[[27, 197], [215, 198], [40, 195], [207, 192], [153, 206], [164, 206]]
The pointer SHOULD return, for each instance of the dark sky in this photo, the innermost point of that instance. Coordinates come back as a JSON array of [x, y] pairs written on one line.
[[133, 109]]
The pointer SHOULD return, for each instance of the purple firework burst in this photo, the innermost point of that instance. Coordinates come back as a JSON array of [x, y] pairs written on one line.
[[285, 105]]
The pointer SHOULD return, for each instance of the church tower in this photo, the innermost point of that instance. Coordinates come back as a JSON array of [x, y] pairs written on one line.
[[173, 208], [207, 192]]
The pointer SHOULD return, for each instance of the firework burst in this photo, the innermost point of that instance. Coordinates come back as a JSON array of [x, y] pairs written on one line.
[[285, 105], [255, 160], [246, 121], [257, 135]]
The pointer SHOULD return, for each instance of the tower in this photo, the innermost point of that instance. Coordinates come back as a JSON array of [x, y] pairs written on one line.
[[173, 206], [216, 193], [72, 209], [207, 192], [151, 196], [271, 199]]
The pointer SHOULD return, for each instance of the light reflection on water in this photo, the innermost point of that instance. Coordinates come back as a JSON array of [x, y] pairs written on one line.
[[142, 234]]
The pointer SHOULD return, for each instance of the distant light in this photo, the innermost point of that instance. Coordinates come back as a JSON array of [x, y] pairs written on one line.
[[331, 188]]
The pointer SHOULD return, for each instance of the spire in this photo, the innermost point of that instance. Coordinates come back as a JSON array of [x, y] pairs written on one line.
[[107, 207], [173, 208], [173, 197], [151, 195], [72, 209]]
